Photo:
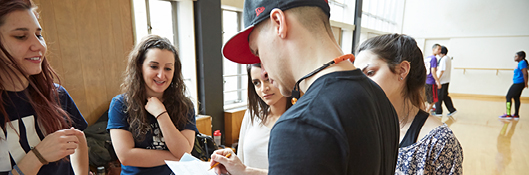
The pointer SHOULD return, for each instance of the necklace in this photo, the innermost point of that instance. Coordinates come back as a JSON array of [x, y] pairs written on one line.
[[408, 110], [400, 122], [295, 92]]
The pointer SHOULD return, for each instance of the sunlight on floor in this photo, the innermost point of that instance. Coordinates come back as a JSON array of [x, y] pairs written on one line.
[[490, 145]]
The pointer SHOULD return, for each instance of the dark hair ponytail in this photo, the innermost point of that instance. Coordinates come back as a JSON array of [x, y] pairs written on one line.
[[394, 49], [522, 55]]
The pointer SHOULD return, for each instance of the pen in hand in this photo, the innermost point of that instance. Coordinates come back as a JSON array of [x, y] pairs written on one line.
[[214, 165]]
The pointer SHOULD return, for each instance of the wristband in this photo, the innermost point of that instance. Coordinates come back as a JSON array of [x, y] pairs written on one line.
[[160, 114], [39, 156]]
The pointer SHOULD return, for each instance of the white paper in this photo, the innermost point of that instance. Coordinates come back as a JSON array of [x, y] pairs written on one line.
[[188, 157], [189, 165]]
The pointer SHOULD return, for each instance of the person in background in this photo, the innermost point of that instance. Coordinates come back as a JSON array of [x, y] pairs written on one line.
[[519, 83], [265, 106], [432, 81], [152, 120], [443, 72], [427, 146], [41, 125]]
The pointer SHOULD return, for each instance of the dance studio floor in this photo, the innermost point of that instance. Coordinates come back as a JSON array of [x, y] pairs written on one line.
[[490, 145]]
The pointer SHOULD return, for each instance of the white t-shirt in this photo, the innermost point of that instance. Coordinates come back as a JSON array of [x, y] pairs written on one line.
[[253, 143], [445, 64]]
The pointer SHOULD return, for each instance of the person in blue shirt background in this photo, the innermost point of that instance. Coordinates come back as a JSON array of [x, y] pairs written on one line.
[[519, 83], [152, 120]]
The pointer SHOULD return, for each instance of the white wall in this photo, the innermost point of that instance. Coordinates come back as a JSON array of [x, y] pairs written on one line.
[[479, 33]]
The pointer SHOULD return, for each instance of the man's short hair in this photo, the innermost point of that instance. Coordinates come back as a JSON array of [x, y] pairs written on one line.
[[312, 18], [444, 50], [435, 46]]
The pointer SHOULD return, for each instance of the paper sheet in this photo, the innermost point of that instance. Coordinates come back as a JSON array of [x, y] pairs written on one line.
[[189, 165], [188, 157]]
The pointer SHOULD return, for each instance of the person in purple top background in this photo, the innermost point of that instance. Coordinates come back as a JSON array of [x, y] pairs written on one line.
[[432, 81]]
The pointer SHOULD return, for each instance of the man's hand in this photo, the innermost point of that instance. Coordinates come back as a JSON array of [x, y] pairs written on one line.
[[232, 165]]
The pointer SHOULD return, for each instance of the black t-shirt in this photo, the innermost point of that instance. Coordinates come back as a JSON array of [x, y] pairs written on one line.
[[23, 118], [344, 124]]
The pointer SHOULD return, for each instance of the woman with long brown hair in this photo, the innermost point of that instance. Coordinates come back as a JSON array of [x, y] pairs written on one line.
[[427, 146], [265, 106], [152, 120], [40, 122]]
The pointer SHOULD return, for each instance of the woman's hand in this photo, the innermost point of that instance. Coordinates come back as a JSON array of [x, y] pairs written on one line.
[[79, 134], [154, 106], [79, 159], [59, 144], [233, 164]]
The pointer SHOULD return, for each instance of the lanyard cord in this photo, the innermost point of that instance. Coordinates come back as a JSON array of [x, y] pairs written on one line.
[[296, 93]]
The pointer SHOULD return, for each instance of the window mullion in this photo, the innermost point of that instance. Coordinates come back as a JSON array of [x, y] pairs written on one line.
[[148, 13], [175, 22]]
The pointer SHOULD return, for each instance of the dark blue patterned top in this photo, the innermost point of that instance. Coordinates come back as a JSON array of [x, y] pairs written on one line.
[[25, 131], [439, 152]]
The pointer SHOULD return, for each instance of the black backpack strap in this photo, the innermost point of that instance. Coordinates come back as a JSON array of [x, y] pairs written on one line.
[[413, 132]]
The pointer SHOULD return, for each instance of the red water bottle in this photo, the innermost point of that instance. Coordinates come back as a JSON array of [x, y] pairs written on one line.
[[216, 137]]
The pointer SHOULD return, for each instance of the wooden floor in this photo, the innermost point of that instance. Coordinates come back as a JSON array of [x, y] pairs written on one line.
[[490, 145]]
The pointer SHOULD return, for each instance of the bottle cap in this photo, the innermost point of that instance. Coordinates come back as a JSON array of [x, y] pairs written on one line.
[[217, 133]]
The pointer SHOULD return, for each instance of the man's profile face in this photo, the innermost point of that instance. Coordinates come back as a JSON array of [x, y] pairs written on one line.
[[263, 44], [437, 50]]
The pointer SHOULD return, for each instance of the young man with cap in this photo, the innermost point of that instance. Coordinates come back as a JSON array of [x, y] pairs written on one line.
[[343, 124]]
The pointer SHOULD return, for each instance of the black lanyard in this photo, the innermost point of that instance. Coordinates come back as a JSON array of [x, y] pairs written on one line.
[[295, 92]]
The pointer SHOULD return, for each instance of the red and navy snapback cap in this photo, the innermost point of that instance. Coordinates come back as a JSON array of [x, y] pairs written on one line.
[[237, 49]]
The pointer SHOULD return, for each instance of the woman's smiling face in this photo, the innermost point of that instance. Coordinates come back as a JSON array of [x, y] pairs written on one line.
[[158, 71], [21, 35]]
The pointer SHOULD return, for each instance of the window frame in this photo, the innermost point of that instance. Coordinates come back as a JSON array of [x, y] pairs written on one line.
[[241, 69]]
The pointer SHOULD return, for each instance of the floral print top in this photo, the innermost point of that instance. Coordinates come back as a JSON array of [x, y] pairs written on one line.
[[439, 152]]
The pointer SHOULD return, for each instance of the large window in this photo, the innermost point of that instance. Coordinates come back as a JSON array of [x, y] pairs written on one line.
[[234, 75], [155, 17], [173, 20], [383, 15], [337, 9], [342, 22]]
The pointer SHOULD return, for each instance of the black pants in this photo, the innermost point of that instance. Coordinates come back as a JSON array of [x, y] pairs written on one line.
[[443, 96], [514, 93]]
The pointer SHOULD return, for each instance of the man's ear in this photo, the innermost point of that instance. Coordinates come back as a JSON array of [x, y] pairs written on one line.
[[403, 69], [279, 22]]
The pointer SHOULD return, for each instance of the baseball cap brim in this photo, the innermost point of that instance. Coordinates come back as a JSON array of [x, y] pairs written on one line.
[[237, 49]]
